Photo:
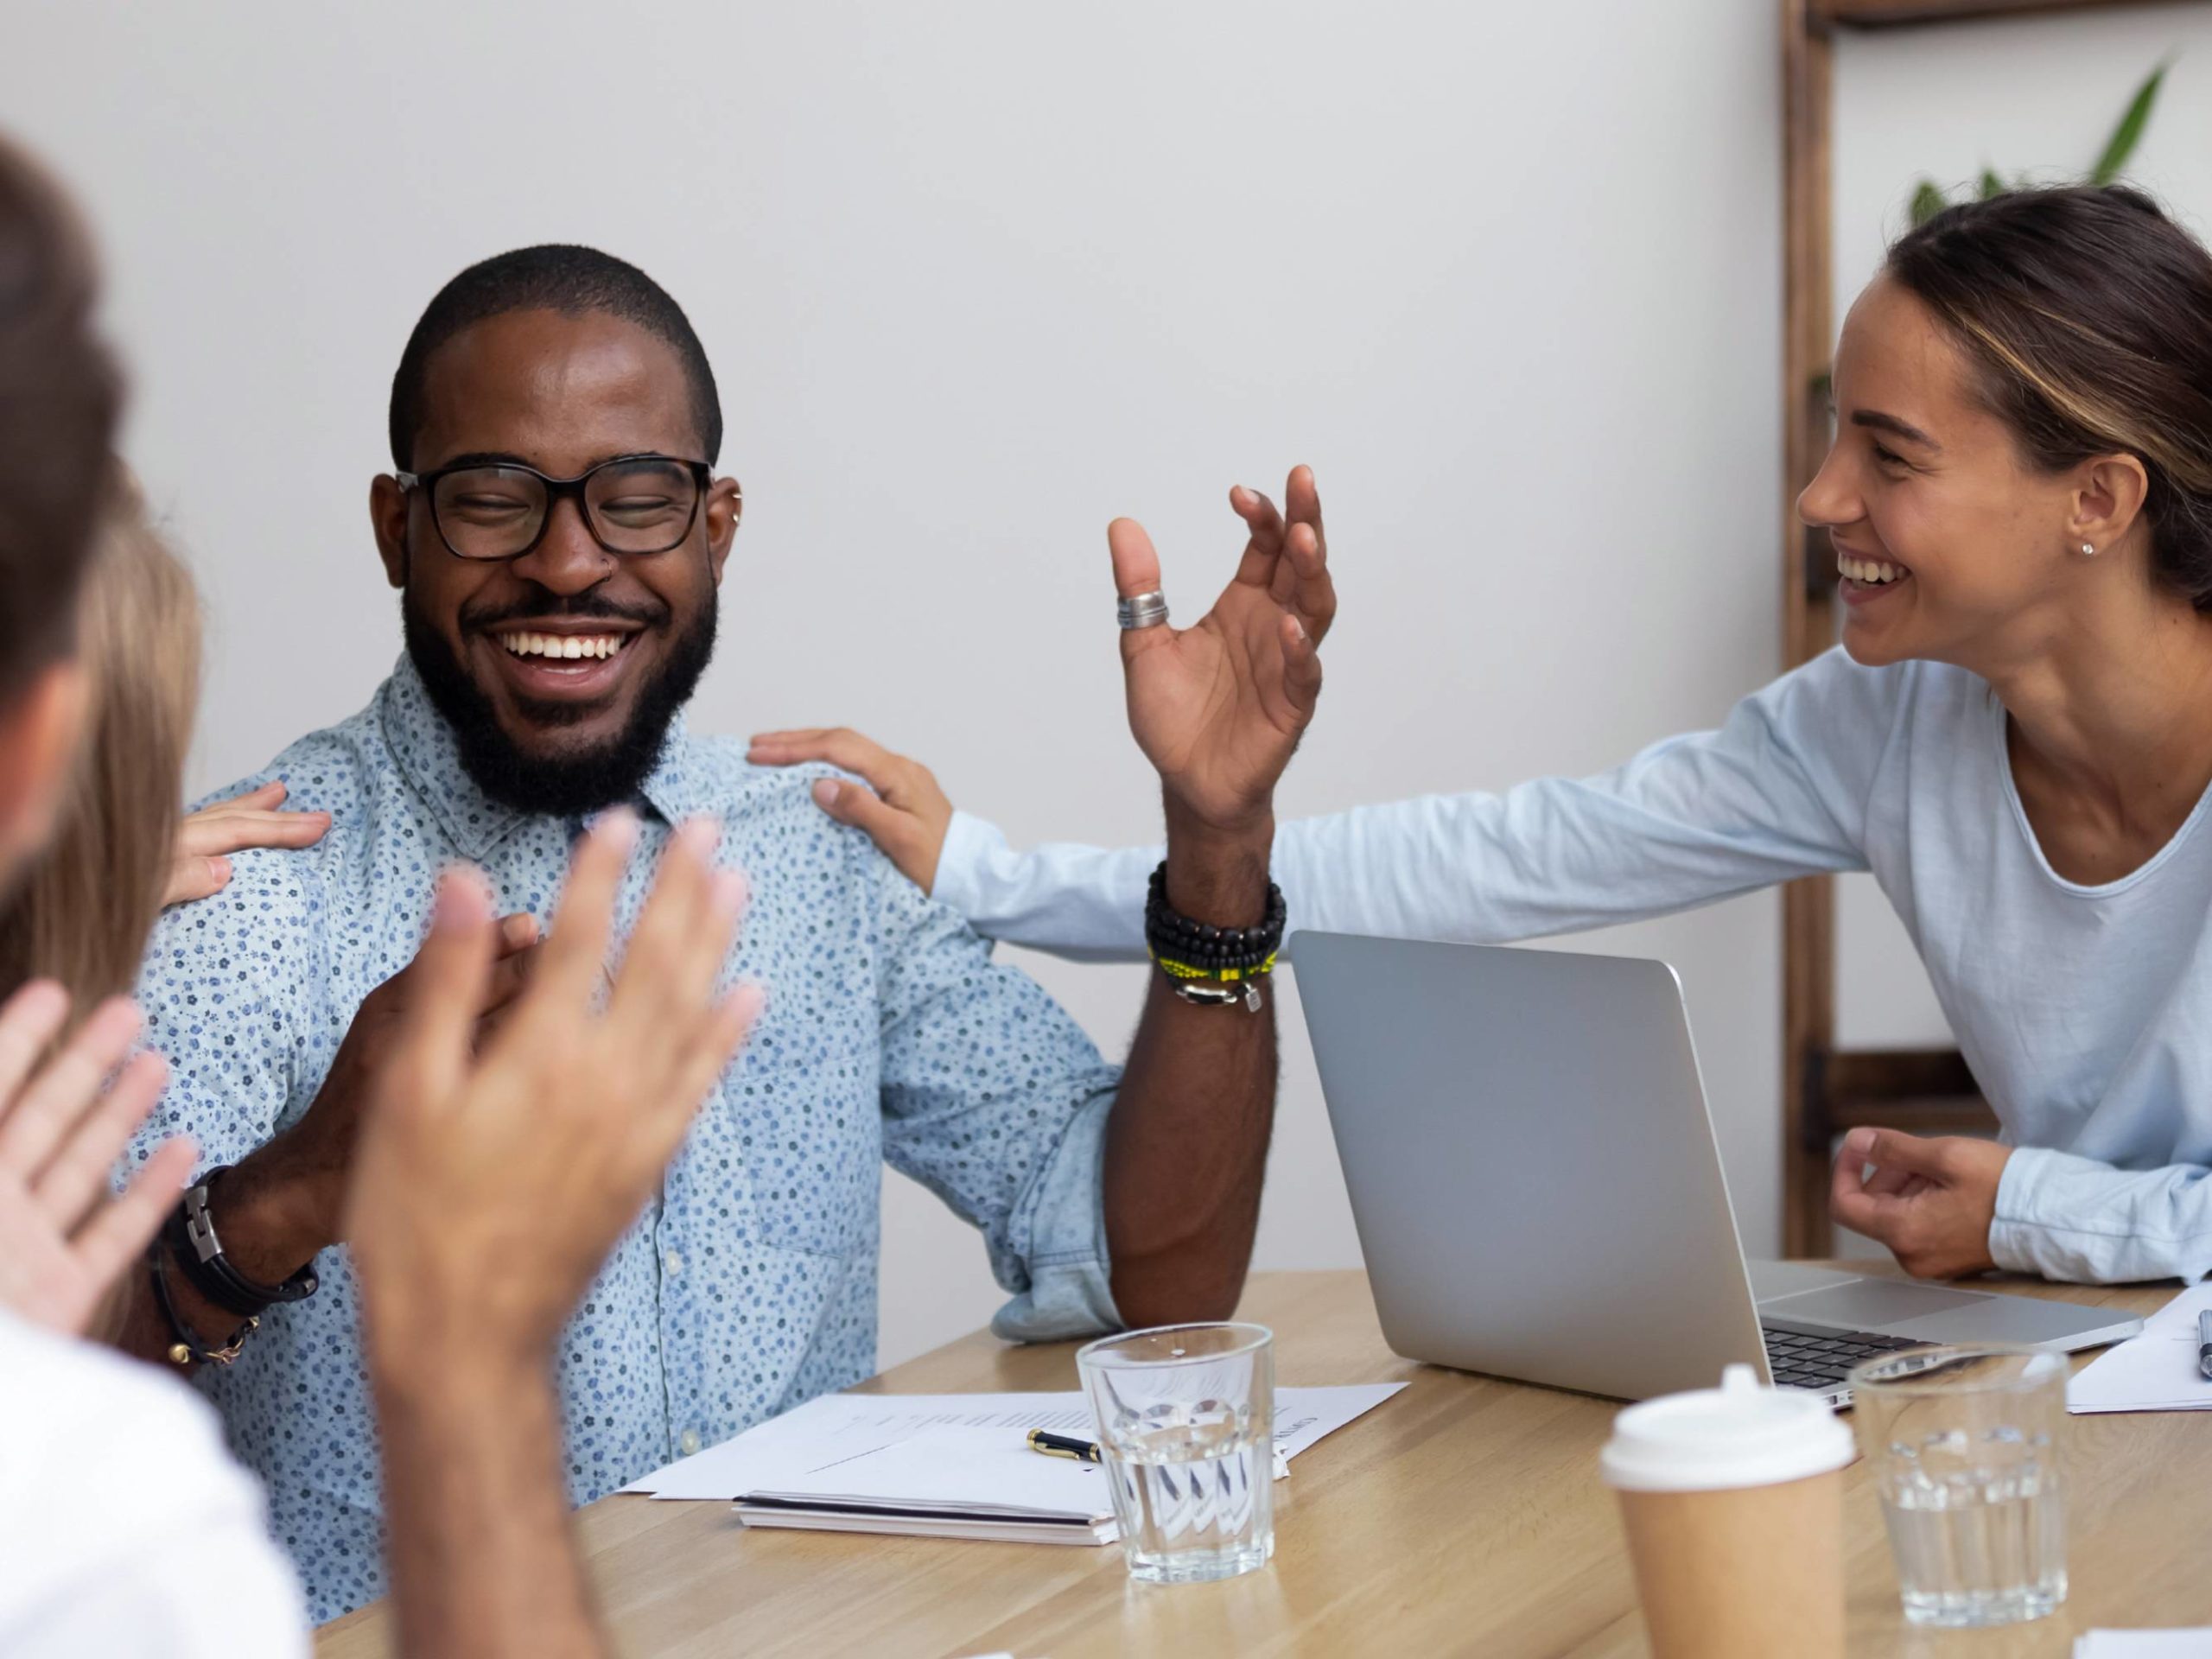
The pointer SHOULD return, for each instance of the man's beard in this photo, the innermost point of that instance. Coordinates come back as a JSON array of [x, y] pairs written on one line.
[[578, 781]]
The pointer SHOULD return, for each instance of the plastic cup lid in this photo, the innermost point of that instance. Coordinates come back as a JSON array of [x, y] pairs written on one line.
[[1739, 1435]]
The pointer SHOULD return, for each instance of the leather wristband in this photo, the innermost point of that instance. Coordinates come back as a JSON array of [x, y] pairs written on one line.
[[192, 1240], [188, 1349]]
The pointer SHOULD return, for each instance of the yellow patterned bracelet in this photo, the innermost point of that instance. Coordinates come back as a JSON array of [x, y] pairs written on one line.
[[1175, 969]]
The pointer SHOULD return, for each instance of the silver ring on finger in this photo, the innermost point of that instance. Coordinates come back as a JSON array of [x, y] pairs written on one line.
[[1142, 611]]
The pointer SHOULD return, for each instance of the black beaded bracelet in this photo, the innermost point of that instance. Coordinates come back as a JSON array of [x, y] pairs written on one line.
[[1209, 964], [1224, 951]]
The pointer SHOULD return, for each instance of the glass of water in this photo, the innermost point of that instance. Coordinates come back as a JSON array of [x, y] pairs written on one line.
[[1186, 1422], [1964, 1443]]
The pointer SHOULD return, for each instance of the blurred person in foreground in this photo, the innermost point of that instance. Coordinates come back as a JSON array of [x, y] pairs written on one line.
[[120, 1513]]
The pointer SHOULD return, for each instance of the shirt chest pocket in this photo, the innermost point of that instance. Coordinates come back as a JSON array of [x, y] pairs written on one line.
[[804, 1139]]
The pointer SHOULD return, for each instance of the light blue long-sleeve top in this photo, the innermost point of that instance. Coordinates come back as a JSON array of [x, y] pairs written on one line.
[[2085, 1012]]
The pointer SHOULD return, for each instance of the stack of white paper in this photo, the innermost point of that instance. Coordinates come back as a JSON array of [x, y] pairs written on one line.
[[2156, 1371], [946, 1481], [947, 1465], [2143, 1644]]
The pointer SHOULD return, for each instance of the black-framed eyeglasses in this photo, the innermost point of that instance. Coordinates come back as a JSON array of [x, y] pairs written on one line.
[[499, 509]]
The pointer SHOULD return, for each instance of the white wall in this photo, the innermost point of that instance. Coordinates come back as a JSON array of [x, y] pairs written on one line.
[[976, 278], [2036, 96]]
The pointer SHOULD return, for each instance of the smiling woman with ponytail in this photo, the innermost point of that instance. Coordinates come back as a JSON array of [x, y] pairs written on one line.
[[2015, 737], [2087, 318]]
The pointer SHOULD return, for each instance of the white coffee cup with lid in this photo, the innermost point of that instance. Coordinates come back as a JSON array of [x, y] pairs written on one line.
[[1733, 1498]]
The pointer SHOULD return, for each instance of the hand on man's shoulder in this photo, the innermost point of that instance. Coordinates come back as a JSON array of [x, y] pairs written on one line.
[[783, 796]]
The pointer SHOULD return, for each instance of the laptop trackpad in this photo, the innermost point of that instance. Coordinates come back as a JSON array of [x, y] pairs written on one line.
[[1869, 1304]]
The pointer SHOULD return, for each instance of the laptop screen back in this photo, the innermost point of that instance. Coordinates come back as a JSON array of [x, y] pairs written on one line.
[[1531, 1164]]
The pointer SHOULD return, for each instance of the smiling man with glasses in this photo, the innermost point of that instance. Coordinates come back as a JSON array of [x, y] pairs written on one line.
[[558, 536], [558, 622], [566, 666]]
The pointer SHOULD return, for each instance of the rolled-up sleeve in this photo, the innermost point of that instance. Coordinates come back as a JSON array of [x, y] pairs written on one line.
[[1069, 1272], [995, 1099]]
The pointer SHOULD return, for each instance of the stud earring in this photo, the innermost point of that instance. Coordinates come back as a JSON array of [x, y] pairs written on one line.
[[2088, 550]]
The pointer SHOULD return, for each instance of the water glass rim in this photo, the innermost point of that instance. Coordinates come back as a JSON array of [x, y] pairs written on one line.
[[1094, 1352], [1944, 1355]]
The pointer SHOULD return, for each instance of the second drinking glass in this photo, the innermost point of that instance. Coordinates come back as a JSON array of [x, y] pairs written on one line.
[[1964, 1444]]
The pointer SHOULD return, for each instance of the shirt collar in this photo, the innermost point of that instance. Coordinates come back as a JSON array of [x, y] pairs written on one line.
[[428, 757], [678, 786]]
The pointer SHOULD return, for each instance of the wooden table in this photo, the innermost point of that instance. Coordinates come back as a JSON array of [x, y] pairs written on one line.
[[1465, 1516]]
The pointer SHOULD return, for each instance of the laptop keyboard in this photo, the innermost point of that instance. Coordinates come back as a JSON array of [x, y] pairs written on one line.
[[1820, 1360]]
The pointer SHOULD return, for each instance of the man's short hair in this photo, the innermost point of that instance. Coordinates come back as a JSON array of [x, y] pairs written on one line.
[[553, 277], [59, 394]]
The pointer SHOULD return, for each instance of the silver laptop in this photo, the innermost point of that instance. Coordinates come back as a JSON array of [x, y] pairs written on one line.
[[1539, 1193]]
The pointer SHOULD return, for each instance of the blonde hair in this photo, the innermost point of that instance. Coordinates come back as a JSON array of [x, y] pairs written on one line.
[[81, 913]]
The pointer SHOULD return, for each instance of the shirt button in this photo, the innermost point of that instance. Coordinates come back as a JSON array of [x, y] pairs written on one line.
[[673, 1263], [688, 1444]]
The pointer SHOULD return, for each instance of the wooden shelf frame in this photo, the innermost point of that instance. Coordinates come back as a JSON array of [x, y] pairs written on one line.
[[1903, 14], [1825, 1091], [1825, 15]]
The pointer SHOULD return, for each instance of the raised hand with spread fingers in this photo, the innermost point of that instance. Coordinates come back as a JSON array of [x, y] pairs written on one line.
[[64, 1238], [1219, 707]]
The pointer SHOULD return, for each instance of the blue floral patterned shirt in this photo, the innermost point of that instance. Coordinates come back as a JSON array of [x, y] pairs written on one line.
[[749, 1285]]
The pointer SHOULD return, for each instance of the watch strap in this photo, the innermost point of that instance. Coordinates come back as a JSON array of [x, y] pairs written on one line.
[[199, 1254]]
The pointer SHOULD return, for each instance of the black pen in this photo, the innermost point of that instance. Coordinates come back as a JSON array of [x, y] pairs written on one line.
[[2204, 1346], [1059, 1445]]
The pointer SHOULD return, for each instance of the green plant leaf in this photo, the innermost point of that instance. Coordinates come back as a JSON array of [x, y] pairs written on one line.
[[2129, 133], [1991, 184], [1928, 201]]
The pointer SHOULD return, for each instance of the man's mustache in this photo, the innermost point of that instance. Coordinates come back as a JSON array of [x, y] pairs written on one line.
[[584, 608]]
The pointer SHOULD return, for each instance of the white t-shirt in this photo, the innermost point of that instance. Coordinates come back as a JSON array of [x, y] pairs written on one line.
[[126, 1526]]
